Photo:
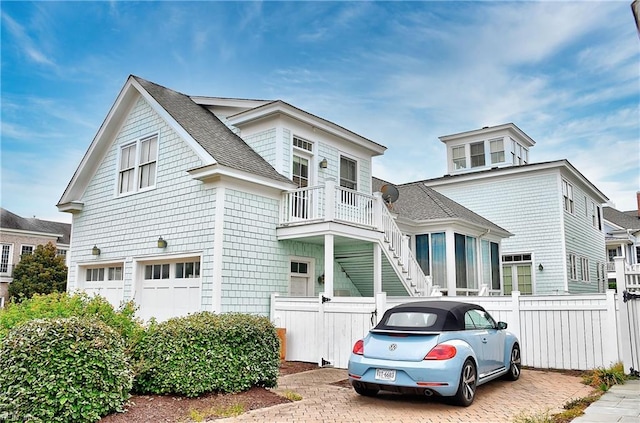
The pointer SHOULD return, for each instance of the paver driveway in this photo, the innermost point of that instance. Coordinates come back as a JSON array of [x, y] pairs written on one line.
[[497, 401]]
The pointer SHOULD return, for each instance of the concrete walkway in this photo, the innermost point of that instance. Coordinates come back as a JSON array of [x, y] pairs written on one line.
[[536, 392], [621, 404]]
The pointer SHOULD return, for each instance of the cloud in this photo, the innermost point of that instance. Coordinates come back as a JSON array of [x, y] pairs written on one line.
[[25, 43]]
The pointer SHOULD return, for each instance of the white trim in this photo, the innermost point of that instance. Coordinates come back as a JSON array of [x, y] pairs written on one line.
[[218, 249], [215, 172], [136, 167], [30, 233]]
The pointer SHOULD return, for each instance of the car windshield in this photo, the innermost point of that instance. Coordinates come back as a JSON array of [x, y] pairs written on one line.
[[412, 319]]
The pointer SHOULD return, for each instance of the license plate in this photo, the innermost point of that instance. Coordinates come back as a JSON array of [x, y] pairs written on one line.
[[385, 374]]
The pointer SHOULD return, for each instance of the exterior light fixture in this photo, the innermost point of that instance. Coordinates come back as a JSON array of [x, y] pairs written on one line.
[[95, 251], [540, 267], [321, 279], [162, 243], [324, 164]]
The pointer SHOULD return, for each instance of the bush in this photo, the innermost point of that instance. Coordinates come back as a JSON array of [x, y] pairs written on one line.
[[206, 352], [604, 378], [62, 370], [42, 272], [64, 305]]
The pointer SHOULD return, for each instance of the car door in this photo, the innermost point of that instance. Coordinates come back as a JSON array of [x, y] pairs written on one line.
[[490, 340]]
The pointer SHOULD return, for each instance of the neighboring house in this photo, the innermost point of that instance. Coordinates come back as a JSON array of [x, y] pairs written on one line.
[[19, 236], [201, 203], [622, 236], [552, 210]]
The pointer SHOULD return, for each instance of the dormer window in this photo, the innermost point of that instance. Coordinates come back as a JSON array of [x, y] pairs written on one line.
[[477, 154], [459, 158], [137, 170], [497, 151]]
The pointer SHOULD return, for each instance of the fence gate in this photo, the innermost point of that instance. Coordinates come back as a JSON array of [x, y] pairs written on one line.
[[631, 313]]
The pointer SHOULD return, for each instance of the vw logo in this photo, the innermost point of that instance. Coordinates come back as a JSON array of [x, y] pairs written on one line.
[[393, 347]]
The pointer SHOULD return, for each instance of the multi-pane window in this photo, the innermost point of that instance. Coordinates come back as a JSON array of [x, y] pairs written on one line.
[[4, 258], [26, 249], [584, 269], [156, 271], [188, 270], [573, 267], [300, 171], [303, 144], [497, 150], [138, 162], [477, 154], [567, 196], [516, 270], [299, 267], [299, 279], [114, 273], [61, 252], [459, 158], [431, 254], [95, 275], [348, 173]]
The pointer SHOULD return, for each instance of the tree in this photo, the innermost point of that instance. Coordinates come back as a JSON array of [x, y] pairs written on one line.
[[42, 272]]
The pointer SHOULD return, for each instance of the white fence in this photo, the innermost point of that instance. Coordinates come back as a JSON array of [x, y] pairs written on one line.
[[558, 332]]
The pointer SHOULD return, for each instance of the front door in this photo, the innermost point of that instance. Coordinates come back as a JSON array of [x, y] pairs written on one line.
[[517, 277]]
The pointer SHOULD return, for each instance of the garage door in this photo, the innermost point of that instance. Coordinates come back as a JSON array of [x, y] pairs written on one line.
[[169, 289], [104, 281]]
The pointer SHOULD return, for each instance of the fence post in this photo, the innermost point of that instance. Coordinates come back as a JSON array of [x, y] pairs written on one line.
[[610, 352], [381, 305], [514, 327], [322, 342], [624, 332], [272, 310]]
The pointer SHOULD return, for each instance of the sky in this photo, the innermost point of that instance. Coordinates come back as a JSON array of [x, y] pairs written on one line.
[[399, 73]]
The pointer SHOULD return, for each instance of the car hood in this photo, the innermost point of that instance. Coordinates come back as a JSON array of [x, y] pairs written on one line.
[[405, 347]]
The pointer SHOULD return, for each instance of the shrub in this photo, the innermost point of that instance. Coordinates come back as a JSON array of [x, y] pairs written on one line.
[[42, 272], [604, 378], [64, 305], [62, 370], [205, 352]]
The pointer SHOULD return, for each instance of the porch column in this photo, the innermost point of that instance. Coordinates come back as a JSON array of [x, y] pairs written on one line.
[[329, 199], [328, 265], [451, 262], [377, 269]]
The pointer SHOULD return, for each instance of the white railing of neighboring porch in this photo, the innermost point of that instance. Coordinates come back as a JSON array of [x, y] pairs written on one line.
[[313, 204]]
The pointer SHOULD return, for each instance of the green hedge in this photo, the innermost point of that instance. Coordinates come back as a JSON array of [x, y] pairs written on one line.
[[206, 352], [62, 370], [57, 305]]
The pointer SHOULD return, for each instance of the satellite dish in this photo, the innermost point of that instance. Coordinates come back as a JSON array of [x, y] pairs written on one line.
[[389, 193]]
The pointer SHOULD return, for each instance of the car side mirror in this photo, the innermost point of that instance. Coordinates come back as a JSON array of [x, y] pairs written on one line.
[[502, 325]]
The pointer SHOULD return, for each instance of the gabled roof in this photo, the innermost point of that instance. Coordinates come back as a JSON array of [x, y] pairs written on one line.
[[12, 221], [419, 203], [227, 148], [625, 220]]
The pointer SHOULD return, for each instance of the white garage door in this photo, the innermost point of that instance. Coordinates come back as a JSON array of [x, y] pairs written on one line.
[[169, 289]]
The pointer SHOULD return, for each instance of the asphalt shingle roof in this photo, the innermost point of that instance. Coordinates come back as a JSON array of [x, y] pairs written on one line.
[[10, 220], [626, 220], [227, 148], [419, 202]]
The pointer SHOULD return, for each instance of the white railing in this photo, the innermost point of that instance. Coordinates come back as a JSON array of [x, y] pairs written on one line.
[[303, 205], [353, 207]]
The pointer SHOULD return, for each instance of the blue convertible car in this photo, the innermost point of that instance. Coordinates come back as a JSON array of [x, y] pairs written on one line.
[[446, 348]]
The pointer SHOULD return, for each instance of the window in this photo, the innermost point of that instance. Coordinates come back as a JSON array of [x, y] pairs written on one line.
[[138, 163], [637, 254], [584, 269], [348, 173], [114, 273], [567, 195], [303, 144], [422, 253], [465, 248], [26, 249], [431, 256], [156, 271], [596, 221], [61, 252], [300, 171], [459, 159], [476, 319], [300, 278], [497, 150], [614, 252], [188, 270], [573, 267], [5, 253], [491, 264], [513, 152], [95, 275], [477, 154]]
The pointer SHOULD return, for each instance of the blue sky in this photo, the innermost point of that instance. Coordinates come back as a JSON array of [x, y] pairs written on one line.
[[399, 73]]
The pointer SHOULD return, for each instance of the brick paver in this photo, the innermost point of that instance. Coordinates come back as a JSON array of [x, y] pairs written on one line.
[[496, 402]]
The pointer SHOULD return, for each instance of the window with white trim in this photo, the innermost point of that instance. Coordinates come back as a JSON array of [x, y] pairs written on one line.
[[189, 269], [114, 273], [348, 173], [5, 254], [459, 158], [567, 196], [477, 154], [299, 279], [573, 266], [138, 163], [596, 220], [584, 269], [497, 150], [303, 144], [517, 273], [156, 271], [26, 249], [95, 274]]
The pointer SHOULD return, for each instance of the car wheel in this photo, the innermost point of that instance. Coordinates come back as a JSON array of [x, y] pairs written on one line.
[[365, 391], [467, 386], [515, 363]]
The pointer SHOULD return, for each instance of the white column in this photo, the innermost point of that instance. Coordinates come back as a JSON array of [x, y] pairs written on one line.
[[377, 269], [610, 342], [451, 262], [330, 199], [328, 265], [623, 330]]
